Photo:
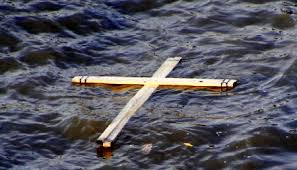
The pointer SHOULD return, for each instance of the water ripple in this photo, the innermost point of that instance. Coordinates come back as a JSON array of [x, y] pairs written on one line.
[[47, 123]]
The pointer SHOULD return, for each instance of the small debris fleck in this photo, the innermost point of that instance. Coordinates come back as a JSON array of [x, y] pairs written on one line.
[[188, 145], [146, 148]]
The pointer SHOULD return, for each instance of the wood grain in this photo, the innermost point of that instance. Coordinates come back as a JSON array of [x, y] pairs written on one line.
[[152, 81], [111, 132]]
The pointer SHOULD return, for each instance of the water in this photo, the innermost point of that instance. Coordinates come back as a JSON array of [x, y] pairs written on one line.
[[47, 123]]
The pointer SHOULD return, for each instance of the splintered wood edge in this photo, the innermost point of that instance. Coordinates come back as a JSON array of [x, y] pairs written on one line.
[[230, 84], [106, 144], [234, 83]]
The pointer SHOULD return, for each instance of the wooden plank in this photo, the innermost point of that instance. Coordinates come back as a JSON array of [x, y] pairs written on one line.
[[111, 132], [155, 81]]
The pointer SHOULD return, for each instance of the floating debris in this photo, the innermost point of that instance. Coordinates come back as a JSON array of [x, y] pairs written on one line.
[[146, 148], [188, 145]]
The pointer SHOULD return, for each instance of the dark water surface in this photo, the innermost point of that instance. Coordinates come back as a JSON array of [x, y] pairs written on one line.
[[47, 123]]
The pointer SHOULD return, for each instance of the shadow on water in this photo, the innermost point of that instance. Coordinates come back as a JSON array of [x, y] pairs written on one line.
[[47, 123]]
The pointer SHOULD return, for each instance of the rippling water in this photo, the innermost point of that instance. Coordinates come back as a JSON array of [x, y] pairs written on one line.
[[47, 123]]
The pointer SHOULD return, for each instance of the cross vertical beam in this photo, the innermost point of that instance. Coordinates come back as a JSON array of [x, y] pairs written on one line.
[[115, 127]]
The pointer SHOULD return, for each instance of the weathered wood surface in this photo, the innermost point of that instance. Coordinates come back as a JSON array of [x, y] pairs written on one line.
[[155, 81], [135, 103]]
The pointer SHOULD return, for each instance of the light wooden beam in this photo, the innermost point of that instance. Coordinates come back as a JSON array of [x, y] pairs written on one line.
[[152, 81], [111, 132]]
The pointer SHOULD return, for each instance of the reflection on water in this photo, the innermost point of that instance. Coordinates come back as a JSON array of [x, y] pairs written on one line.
[[47, 123], [103, 152]]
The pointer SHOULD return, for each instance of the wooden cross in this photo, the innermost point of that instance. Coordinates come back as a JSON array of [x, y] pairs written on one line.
[[150, 84]]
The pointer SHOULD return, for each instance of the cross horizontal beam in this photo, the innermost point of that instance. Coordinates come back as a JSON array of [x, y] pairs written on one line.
[[152, 81]]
